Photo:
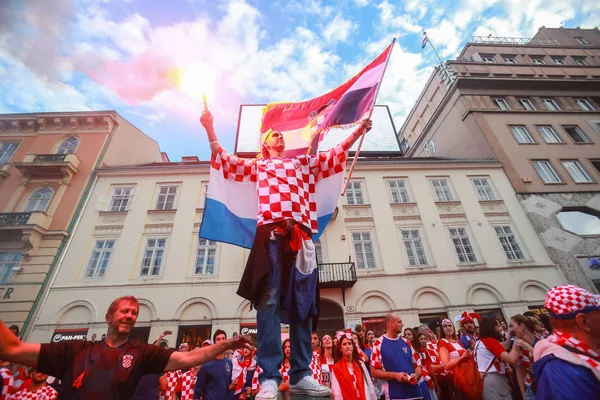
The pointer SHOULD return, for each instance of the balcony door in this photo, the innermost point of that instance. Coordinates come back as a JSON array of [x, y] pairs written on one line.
[[331, 318]]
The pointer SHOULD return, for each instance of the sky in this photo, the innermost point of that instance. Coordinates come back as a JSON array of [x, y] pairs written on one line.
[[152, 60]]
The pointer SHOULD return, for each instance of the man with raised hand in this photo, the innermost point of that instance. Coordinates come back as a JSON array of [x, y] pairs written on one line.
[[109, 369], [280, 277]]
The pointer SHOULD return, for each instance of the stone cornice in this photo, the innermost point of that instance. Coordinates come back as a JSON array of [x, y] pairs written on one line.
[[67, 123]]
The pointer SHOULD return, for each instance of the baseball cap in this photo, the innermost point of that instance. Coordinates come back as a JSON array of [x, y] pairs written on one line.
[[207, 342], [566, 301]]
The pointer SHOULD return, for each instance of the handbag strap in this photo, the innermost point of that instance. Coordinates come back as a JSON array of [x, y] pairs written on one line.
[[489, 365]]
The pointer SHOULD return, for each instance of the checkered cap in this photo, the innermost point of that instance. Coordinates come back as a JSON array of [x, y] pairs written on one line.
[[567, 300]]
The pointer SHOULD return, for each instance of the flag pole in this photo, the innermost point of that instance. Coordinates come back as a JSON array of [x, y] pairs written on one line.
[[432, 48], [362, 137]]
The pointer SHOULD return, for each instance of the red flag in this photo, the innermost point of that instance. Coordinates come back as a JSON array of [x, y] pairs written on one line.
[[305, 123]]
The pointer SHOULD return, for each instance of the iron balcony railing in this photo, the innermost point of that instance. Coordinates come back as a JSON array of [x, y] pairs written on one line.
[[13, 219], [49, 158], [337, 275], [515, 41]]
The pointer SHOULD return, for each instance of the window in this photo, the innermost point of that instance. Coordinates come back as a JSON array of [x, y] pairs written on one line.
[[404, 146], [580, 61], [68, 146], [153, 257], [354, 194], [399, 191], [551, 104], [39, 200], [581, 40], [559, 60], [549, 134], [99, 259], [521, 134], [596, 164], [483, 189], [121, 198], [546, 172], [582, 221], [576, 134], [510, 60], [9, 265], [527, 104], [538, 60], [501, 103], [462, 245], [584, 104], [442, 191], [205, 257], [509, 243], [166, 197], [576, 170], [319, 251], [7, 149], [414, 248], [363, 250], [488, 59]]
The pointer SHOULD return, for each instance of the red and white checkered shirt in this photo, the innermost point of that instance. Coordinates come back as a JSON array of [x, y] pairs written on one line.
[[173, 382], [7, 383], [188, 381], [286, 187], [255, 383], [284, 374], [526, 360], [43, 393], [315, 368]]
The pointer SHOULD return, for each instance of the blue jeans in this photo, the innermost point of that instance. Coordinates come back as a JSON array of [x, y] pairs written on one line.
[[269, 328]]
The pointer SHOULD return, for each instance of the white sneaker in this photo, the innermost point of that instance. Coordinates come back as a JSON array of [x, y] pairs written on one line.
[[308, 386], [268, 390]]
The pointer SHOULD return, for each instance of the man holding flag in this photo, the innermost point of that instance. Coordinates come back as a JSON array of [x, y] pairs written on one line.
[[277, 204], [282, 263]]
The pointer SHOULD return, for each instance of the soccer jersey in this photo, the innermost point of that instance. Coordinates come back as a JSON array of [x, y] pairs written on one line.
[[44, 393], [315, 368], [487, 353], [6, 383], [213, 380], [455, 350], [286, 187], [94, 370], [396, 355]]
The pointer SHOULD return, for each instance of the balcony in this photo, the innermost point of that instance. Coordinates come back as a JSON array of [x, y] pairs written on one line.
[[337, 275], [49, 166], [27, 227]]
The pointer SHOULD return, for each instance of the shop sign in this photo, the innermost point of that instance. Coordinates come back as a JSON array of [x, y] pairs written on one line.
[[594, 263], [67, 335], [6, 292]]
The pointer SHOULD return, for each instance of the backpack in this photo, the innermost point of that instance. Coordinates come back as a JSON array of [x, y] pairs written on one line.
[[468, 378]]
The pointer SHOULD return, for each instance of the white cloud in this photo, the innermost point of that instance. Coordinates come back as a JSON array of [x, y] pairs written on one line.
[[390, 20], [446, 38], [338, 29], [417, 7], [361, 3]]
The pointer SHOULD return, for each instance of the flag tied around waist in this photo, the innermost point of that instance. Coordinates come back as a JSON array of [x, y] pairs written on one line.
[[231, 208]]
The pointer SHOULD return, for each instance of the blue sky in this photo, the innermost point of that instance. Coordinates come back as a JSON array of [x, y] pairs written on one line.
[[77, 55]]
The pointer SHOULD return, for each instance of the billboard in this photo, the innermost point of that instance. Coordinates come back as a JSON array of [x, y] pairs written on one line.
[[381, 139]]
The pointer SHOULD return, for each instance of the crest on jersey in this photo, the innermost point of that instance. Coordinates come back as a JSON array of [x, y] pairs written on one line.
[[227, 367], [405, 350], [127, 360]]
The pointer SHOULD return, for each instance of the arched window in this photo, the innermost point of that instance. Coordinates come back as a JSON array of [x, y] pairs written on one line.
[[68, 146], [39, 200]]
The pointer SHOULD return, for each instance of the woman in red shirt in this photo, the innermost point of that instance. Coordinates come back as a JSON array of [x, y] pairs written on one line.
[[350, 379], [491, 357], [451, 354], [327, 358]]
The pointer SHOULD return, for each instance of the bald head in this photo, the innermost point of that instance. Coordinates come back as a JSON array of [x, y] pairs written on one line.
[[393, 325]]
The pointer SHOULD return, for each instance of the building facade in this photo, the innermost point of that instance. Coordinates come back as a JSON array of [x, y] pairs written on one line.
[[46, 161], [426, 238], [534, 105]]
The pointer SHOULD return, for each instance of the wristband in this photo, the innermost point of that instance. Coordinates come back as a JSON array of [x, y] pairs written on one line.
[[213, 141]]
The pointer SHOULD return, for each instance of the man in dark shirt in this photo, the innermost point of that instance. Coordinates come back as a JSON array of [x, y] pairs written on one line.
[[214, 377], [109, 369]]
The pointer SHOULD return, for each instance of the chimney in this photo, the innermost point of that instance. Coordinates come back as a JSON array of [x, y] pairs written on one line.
[[165, 157], [189, 159]]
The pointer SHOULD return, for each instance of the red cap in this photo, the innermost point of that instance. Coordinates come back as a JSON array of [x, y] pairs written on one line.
[[566, 301]]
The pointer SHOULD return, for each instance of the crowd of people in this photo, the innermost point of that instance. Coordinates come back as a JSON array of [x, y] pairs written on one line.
[[533, 357]]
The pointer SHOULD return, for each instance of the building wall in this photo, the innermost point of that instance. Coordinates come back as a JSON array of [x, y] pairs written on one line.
[[179, 298], [128, 137]]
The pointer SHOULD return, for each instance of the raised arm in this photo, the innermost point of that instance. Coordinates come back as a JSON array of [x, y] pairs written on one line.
[[202, 355], [14, 350], [207, 122], [365, 126]]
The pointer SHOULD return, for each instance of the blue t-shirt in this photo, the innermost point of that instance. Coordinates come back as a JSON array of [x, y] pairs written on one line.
[[147, 387], [397, 356], [213, 380], [558, 379]]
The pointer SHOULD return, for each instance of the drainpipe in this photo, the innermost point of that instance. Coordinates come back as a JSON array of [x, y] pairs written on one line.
[[60, 255]]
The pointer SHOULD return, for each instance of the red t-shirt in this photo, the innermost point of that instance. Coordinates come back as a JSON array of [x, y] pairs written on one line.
[[94, 370]]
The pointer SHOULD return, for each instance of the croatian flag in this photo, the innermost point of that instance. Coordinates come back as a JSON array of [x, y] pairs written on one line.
[[424, 42], [305, 124], [231, 208]]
